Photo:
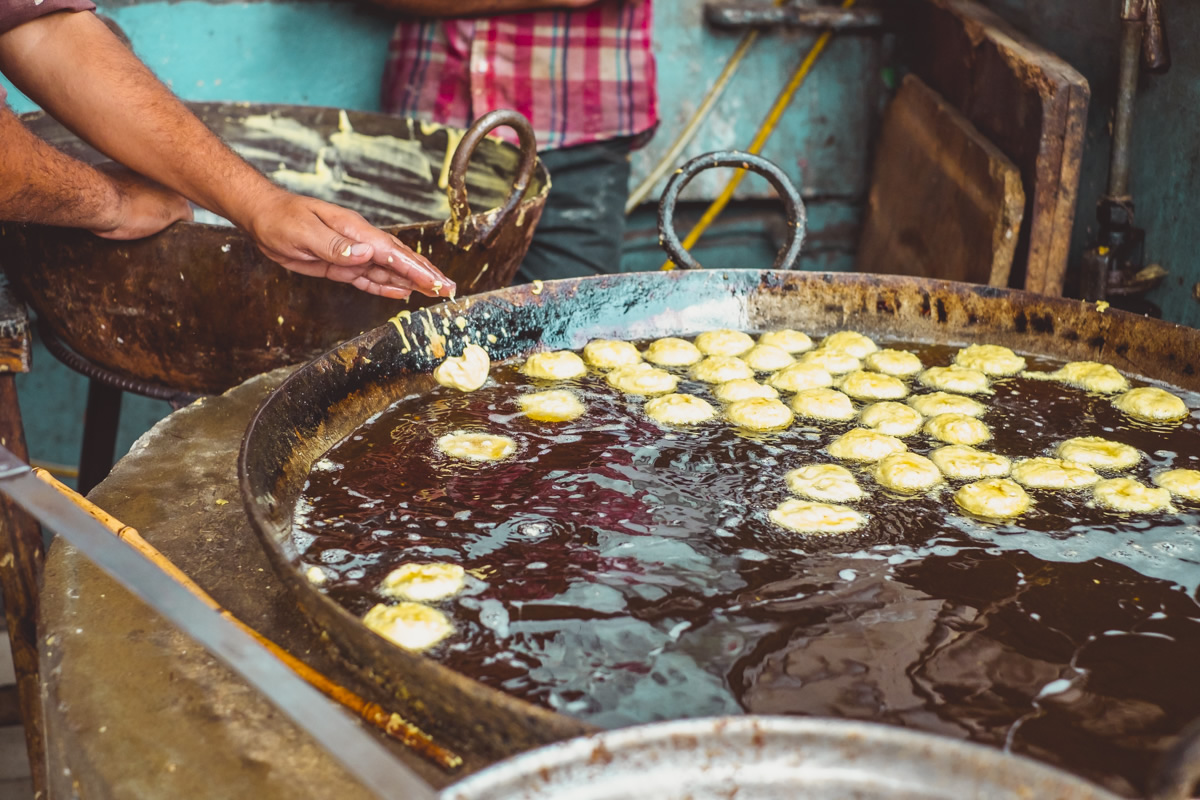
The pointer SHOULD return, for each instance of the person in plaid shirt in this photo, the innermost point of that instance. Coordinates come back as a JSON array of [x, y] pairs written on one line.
[[582, 71]]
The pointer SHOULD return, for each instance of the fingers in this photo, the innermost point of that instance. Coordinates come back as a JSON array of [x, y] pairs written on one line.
[[388, 252]]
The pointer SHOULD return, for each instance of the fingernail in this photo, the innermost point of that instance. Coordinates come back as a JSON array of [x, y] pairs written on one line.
[[360, 249]]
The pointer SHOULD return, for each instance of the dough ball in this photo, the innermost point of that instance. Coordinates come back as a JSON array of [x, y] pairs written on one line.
[[316, 576], [990, 359], [861, 444], [679, 409], [724, 342], [787, 340], [899, 363], [828, 404], [556, 405], [1184, 483], [423, 582], [743, 389], [557, 365], [993, 497], [476, 446], [466, 372], [954, 379], [957, 429], [945, 403], [799, 377], [610, 353], [872, 386], [1151, 404], [829, 483], [1091, 376], [759, 414], [835, 362], [411, 625], [850, 342], [1098, 453], [767, 358], [962, 462], [719, 369], [642, 379], [803, 516], [907, 472], [1126, 494], [894, 419], [672, 352], [1053, 473]]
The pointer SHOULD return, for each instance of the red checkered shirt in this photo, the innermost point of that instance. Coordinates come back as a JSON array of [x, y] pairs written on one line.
[[579, 76]]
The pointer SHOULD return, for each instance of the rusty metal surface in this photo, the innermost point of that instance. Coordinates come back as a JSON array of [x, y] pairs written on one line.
[[16, 344]]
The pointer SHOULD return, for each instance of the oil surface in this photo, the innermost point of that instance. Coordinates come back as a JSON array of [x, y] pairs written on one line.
[[624, 572]]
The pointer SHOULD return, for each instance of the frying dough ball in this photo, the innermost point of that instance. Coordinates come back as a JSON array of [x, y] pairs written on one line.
[[610, 353], [872, 386], [957, 429], [803, 516], [759, 414], [828, 404], [850, 342], [724, 342], [799, 377], [719, 369], [1151, 404], [964, 462], [954, 379], [642, 379], [672, 352], [1091, 376], [836, 362], [993, 497], [894, 419], [945, 403], [1053, 473], [1098, 453], [316, 576], [557, 365], [679, 409], [787, 340], [476, 446], [990, 359], [466, 372], [1182, 482], [826, 482], [1126, 494], [743, 389], [424, 582], [861, 444], [907, 472], [556, 405], [899, 363], [411, 625], [767, 358]]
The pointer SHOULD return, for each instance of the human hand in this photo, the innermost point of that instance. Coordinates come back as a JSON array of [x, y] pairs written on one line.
[[144, 208]]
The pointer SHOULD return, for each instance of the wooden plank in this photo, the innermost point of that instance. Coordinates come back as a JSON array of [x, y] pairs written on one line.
[[944, 202]]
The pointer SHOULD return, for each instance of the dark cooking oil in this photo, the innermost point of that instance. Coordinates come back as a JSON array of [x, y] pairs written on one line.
[[624, 572]]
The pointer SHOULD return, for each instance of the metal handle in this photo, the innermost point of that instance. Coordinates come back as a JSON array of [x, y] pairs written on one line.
[[460, 209], [797, 217], [1178, 770]]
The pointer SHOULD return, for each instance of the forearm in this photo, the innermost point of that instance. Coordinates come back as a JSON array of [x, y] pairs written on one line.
[[476, 8]]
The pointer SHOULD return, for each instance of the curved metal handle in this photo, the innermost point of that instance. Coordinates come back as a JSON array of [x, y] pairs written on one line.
[[797, 216], [1178, 769], [460, 209]]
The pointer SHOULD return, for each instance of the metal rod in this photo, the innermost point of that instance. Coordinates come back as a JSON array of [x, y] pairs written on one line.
[[1127, 78]]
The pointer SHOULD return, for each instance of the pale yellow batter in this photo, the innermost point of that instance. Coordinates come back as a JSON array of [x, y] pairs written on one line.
[[556, 405], [898, 363], [724, 342], [1053, 473], [894, 419], [852, 342], [1126, 494], [799, 377], [466, 372], [963, 462], [423, 582], [787, 340], [672, 352], [759, 414], [476, 446], [1091, 376], [412, 626], [610, 353], [556, 365], [993, 497], [959, 380], [828, 483], [719, 369], [990, 359], [1098, 453], [767, 358], [803, 516], [827, 404], [1151, 404], [1183, 483], [870, 386], [957, 429], [743, 389], [679, 409], [946, 403], [642, 379], [836, 362], [861, 444], [907, 473]]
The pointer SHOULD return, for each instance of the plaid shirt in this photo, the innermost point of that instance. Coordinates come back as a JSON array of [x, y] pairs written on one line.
[[579, 76]]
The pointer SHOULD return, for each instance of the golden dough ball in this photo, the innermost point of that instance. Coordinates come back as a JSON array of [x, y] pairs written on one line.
[[679, 409], [610, 353], [871, 386], [787, 340], [829, 483], [767, 358], [1126, 494], [826, 404], [743, 389], [724, 342], [990, 359], [1151, 404], [672, 352], [804, 516], [759, 414], [799, 377], [1053, 473], [466, 372], [476, 446], [835, 362], [1092, 376], [957, 429], [1098, 453], [851, 342], [907, 472], [959, 380], [423, 582], [898, 363], [963, 462], [642, 379], [555, 405], [861, 444], [931, 405], [894, 419], [993, 497], [556, 365], [1183, 483], [412, 626], [721, 369]]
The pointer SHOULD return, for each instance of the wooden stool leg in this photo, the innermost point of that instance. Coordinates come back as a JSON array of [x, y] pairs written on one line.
[[20, 572], [99, 435]]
